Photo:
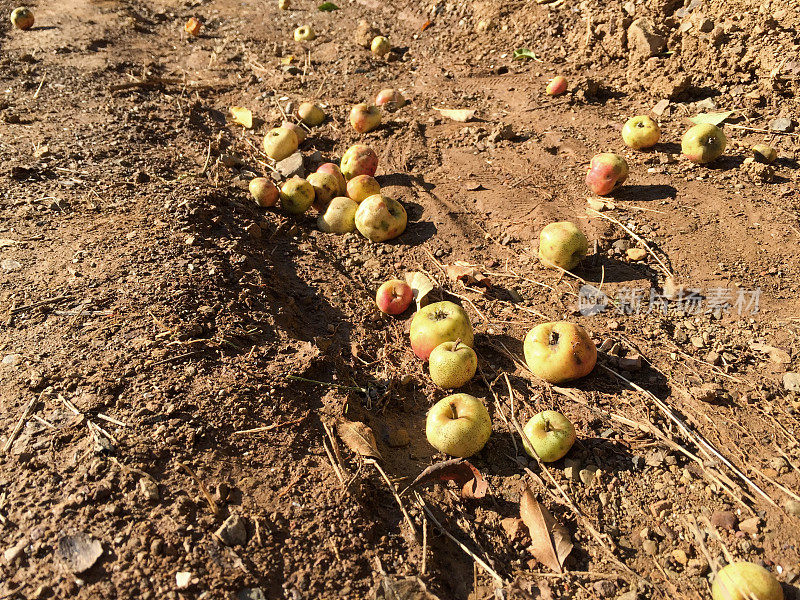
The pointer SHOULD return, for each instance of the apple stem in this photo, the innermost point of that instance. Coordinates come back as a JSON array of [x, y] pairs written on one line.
[[547, 425], [453, 410], [455, 346]]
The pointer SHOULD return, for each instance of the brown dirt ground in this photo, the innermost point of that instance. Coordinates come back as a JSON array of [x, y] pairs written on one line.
[[133, 285]]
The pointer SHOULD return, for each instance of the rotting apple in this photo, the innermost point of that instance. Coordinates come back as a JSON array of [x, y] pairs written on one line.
[[339, 216], [380, 218], [394, 297], [606, 171], [562, 245], [745, 581], [703, 143], [298, 131], [559, 351], [365, 117], [764, 153], [310, 114], [390, 98], [556, 86], [458, 425], [264, 191], [22, 18], [326, 188], [304, 33], [280, 143], [296, 195], [550, 434], [380, 46], [641, 132], [437, 323], [334, 170], [452, 364], [359, 160], [361, 187]]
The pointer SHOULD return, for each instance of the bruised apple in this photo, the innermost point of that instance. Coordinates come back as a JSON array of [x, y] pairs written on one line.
[[326, 188], [339, 216], [380, 218], [458, 425], [280, 143], [703, 143], [390, 98], [264, 191], [559, 352], [394, 297], [437, 323], [562, 245], [365, 117], [333, 169], [361, 187], [640, 132], [606, 171], [296, 195], [359, 160]]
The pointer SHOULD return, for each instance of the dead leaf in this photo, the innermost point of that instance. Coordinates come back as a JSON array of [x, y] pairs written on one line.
[[466, 476], [463, 271], [421, 286], [714, 118], [242, 116], [359, 438], [776, 355], [79, 552], [460, 115], [550, 541]]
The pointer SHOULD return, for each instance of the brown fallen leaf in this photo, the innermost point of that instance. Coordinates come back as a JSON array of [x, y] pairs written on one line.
[[460, 115], [463, 271], [242, 116], [359, 438], [550, 541], [468, 478], [421, 286]]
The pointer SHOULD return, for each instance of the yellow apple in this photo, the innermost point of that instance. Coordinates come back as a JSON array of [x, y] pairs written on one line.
[[559, 352], [361, 187], [458, 425], [380, 46], [296, 195], [304, 33], [359, 160], [339, 216], [562, 245], [310, 114], [380, 218], [640, 132], [326, 188], [452, 364], [745, 581], [703, 143], [551, 435], [280, 143], [438, 323]]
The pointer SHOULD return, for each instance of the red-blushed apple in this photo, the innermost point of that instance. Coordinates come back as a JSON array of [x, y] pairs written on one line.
[[361, 187], [193, 27], [380, 46], [264, 191], [458, 425], [280, 143], [562, 245], [326, 188], [339, 216], [640, 132], [310, 114], [359, 160], [380, 218], [22, 18], [606, 171], [296, 195], [394, 297], [556, 86], [703, 143], [304, 33], [390, 98], [452, 364], [550, 434], [365, 117], [334, 170], [437, 323], [764, 153], [298, 131], [745, 581], [559, 352]]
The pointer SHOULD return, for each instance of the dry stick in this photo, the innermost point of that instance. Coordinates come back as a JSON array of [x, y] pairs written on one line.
[[39, 89], [424, 567], [667, 272], [466, 550], [211, 503], [500, 411], [335, 448], [18, 309], [333, 464], [784, 489], [111, 420], [21, 423], [373, 462], [756, 130], [713, 533], [701, 543], [269, 427]]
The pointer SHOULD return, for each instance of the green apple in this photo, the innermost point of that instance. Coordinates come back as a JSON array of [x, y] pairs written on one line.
[[458, 425], [380, 218], [551, 434], [304, 33], [562, 245], [339, 216], [745, 581], [280, 143], [438, 323], [452, 364], [296, 195], [310, 114], [559, 352], [380, 46], [640, 132], [703, 143]]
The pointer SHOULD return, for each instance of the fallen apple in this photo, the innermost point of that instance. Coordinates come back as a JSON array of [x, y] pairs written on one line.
[[264, 191], [365, 117], [390, 98], [745, 581], [703, 143], [606, 171], [22, 18], [394, 297], [458, 425], [359, 160], [296, 195], [304, 33], [310, 114], [764, 153], [298, 131], [380, 46], [339, 216], [193, 27], [283, 4], [559, 352], [551, 434], [326, 188], [452, 364], [334, 170], [437, 323], [556, 86], [361, 187], [380, 218], [640, 132], [562, 245], [280, 143]]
